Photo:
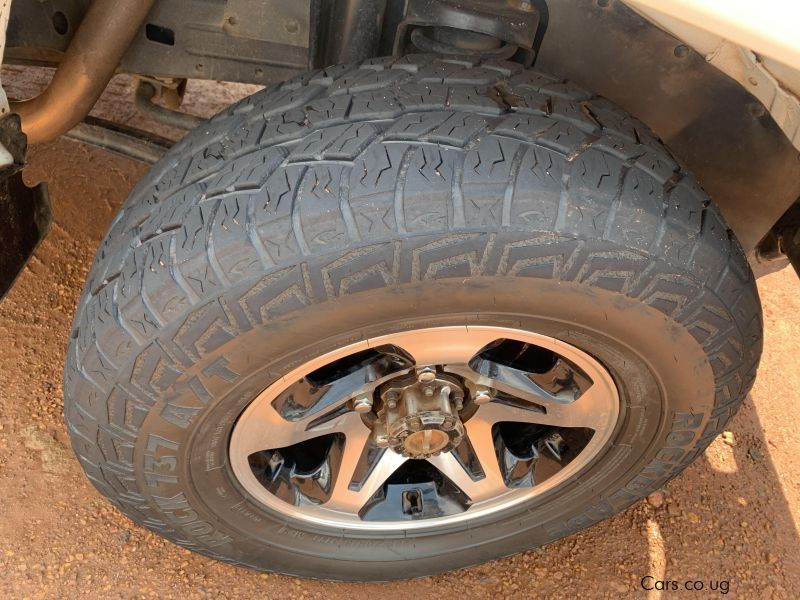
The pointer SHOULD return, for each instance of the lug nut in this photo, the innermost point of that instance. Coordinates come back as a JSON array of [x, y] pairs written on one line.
[[382, 440], [362, 404], [390, 398], [426, 375], [483, 394]]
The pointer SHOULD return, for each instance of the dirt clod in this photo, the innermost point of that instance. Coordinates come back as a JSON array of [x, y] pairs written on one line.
[[656, 499]]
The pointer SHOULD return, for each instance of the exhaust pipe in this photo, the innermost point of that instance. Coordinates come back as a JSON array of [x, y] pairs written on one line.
[[91, 59]]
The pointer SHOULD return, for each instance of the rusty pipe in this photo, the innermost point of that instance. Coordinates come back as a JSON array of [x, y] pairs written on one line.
[[145, 92], [104, 34]]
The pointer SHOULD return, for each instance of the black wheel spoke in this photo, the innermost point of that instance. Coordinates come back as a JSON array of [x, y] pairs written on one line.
[[324, 389]]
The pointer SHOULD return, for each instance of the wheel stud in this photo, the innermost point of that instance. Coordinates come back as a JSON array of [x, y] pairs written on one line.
[[362, 404], [391, 398]]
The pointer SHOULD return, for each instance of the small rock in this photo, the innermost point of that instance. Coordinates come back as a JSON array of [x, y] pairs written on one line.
[[54, 456], [727, 437], [755, 454], [656, 499], [693, 517], [771, 558]]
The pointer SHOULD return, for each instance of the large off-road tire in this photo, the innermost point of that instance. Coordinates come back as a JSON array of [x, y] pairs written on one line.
[[370, 200]]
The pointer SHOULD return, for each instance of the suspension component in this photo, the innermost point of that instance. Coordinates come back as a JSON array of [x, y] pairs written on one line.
[[486, 28]]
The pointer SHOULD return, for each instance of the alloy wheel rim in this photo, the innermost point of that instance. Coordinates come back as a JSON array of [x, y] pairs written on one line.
[[312, 446]]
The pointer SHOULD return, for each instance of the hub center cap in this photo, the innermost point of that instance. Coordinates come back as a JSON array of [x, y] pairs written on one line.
[[420, 414], [426, 442]]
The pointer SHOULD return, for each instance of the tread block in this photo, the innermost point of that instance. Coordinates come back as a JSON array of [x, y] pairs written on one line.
[[193, 253], [248, 172], [237, 254], [382, 104], [564, 137], [272, 208], [548, 85], [489, 169], [458, 129], [641, 205], [362, 80], [524, 126], [360, 270], [376, 171], [321, 223], [283, 127], [422, 96], [454, 255], [344, 142], [414, 126], [470, 98], [537, 192], [427, 193]]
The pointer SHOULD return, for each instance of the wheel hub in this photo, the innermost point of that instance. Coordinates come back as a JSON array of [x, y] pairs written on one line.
[[419, 417]]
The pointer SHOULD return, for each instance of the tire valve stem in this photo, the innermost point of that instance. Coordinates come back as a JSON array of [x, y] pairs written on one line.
[[362, 404], [482, 395], [556, 445]]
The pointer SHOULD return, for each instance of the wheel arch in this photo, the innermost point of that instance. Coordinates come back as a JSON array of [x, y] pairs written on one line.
[[721, 132]]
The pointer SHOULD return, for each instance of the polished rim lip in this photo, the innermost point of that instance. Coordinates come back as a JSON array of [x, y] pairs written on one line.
[[319, 516]]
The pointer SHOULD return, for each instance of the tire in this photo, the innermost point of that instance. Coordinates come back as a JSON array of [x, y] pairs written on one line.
[[401, 193]]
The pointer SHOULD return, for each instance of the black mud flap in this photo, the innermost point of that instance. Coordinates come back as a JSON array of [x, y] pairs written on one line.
[[24, 211]]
